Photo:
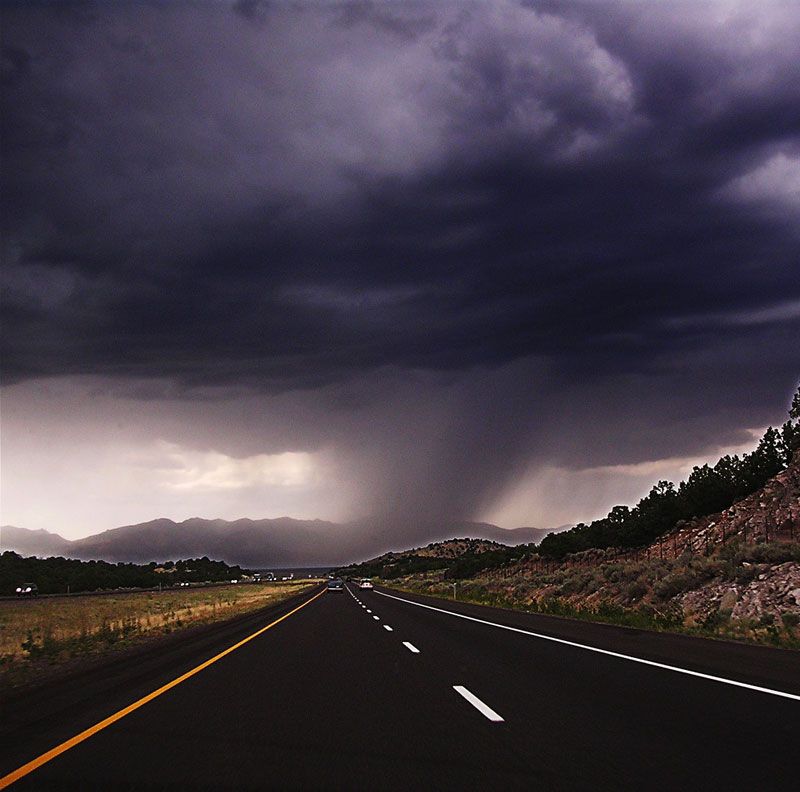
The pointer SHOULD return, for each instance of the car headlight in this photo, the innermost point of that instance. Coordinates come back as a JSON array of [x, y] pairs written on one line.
[[27, 590], [19, 589]]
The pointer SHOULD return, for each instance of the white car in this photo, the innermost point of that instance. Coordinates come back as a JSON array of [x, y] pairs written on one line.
[[365, 584]]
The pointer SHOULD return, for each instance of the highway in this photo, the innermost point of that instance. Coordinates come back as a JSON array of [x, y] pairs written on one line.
[[372, 690]]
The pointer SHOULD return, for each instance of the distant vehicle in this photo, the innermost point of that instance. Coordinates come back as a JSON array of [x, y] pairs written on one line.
[[365, 584], [234, 581], [335, 585], [28, 590]]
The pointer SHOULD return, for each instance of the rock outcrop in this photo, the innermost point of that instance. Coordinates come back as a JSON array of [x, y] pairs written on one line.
[[772, 512]]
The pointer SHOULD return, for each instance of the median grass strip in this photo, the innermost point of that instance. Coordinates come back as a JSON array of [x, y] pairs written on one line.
[[39, 636]]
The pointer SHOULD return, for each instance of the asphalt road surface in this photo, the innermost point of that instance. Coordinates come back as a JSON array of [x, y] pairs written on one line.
[[366, 690]]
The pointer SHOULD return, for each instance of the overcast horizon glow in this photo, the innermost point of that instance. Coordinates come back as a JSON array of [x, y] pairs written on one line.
[[496, 261]]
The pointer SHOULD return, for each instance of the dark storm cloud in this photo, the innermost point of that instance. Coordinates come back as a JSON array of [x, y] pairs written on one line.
[[289, 196]]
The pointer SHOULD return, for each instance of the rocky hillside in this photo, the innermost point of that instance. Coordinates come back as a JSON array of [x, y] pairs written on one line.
[[735, 574], [772, 513]]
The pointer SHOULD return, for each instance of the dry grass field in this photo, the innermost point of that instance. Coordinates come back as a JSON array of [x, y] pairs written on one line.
[[52, 631]]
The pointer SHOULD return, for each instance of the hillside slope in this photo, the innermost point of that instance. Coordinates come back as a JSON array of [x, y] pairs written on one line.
[[735, 574], [772, 512]]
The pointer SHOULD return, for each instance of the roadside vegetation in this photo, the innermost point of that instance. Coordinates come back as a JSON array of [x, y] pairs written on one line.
[[39, 636], [724, 596]]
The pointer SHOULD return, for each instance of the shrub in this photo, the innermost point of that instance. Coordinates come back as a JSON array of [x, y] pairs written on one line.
[[774, 552], [745, 574], [790, 619], [636, 590], [676, 583], [717, 618]]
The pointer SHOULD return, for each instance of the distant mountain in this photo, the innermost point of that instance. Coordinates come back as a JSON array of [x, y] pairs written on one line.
[[251, 543], [281, 542], [33, 543]]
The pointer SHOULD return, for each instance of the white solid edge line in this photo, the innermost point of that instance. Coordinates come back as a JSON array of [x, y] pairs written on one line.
[[410, 647], [484, 709], [387, 627], [608, 652]]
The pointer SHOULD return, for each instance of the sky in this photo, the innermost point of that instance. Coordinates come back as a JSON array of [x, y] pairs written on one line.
[[507, 261]]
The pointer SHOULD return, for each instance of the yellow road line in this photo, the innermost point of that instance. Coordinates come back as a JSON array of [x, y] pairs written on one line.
[[20, 772]]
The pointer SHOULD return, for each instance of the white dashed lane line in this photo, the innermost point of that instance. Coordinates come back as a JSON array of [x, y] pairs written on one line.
[[409, 646], [484, 709], [598, 650]]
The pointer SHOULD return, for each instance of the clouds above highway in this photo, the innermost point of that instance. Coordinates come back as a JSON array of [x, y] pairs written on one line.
[[445, 241]]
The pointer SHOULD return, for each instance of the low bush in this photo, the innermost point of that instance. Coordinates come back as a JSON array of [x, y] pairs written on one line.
[[790, 620], [676, 583]]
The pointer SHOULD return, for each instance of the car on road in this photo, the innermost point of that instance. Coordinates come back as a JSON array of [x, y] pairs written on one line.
[[335, 585], [28, 590], [365, 584]]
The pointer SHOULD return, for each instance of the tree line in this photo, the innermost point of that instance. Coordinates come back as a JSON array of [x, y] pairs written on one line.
[[707, 490], [57, 575]]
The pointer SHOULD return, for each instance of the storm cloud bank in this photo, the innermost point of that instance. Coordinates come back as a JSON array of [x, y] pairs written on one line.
[[437, 245]]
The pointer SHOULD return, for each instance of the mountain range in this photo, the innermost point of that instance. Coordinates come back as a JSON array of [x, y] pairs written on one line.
[[281, 542]]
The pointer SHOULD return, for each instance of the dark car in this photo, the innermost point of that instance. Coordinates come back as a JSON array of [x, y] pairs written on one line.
[[28, 590], [335, 585]]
